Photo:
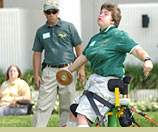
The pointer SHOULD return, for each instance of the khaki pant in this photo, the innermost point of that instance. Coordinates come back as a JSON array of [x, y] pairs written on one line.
[[48, 95]]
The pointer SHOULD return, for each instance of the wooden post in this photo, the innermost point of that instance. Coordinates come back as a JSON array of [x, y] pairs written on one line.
[[1, 3]]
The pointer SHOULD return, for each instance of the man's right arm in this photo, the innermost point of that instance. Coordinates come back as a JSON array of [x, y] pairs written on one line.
[[36, 67]]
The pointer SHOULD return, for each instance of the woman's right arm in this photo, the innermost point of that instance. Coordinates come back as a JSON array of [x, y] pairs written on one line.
[[78, 63]]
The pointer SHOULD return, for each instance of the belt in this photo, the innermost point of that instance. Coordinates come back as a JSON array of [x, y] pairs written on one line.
[[59, 66]]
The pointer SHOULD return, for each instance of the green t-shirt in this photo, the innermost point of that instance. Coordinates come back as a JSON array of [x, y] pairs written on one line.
[[107, 51], [57, 42]]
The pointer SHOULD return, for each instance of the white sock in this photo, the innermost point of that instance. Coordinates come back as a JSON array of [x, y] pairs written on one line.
[[82, 126]]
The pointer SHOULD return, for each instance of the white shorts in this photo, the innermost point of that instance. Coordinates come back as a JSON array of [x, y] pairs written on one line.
[[96, 84]]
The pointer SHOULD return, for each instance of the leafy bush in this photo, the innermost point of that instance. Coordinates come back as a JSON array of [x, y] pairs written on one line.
[[138, 80], [88, 72], [28, 76], [146, 105], [2, 77]]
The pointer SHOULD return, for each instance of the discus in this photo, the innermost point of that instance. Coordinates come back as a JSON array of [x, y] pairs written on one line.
[[64, 77]]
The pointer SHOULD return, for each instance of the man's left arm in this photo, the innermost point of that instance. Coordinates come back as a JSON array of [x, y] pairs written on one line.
[[81, 72]]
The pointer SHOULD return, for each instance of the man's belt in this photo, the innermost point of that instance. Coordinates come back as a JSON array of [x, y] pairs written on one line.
[[59, 66]]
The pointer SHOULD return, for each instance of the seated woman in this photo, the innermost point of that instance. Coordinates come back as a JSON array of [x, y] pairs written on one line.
[[106, 52], [14, 89]]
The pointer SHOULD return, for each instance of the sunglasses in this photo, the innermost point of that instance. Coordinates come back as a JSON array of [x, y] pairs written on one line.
[[53, 12]]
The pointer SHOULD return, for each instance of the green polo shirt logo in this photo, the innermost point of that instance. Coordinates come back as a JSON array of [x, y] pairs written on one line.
[[62, 35], [106, 41], [92, 44]]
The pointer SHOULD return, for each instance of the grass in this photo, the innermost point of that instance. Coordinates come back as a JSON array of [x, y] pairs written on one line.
[[25, 120], [144, 122]]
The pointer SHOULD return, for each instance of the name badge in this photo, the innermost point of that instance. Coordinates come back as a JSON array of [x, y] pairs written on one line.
[[46, 35], [5, 85], [92, 43]]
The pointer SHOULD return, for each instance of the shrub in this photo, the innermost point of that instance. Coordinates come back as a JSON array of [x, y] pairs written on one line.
[[88, 72], [2, 77], [146, 105], [138, 80], [28, 76]]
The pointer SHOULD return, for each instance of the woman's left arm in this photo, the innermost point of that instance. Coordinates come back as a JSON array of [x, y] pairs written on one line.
[[143, 56]]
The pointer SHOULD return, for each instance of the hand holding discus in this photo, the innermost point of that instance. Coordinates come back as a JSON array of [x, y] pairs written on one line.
[[64, 76]]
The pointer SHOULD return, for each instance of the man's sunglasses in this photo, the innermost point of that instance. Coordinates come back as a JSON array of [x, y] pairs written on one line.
[[53, 12]]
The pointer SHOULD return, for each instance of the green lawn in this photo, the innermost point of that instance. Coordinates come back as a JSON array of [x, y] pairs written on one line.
[[25, 121], [144, 122]]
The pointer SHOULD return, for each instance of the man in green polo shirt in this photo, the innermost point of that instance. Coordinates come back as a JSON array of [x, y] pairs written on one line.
[[57, 39]]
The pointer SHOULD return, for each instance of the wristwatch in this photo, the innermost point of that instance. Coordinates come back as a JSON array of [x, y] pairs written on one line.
[[147, 58]]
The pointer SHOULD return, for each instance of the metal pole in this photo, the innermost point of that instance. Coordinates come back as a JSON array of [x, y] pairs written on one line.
[[113, 119]]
